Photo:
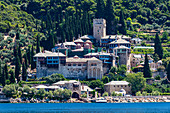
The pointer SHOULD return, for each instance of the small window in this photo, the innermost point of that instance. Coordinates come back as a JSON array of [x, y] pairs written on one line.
[[69, 64], [117, 86], [74, 64], [84, 64], [121, 86], [79, 64], [55, 61]]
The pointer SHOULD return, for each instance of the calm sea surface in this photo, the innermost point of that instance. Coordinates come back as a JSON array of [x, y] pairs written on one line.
[[85, 108]]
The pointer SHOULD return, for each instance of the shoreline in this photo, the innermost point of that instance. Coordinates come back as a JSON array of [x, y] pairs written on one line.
[[93, 100]]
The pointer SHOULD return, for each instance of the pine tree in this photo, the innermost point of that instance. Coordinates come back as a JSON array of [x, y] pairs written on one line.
[[24, 72], [32, 60], [147, 72], [12, 77], [110, 18], [6, 72], [100, 9], [17, 68], [38, 43], [122, 26], [168, 71], [158, 47]]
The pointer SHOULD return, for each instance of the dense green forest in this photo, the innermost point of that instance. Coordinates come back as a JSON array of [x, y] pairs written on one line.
[[29, 25], [59, 20], [65, 19]]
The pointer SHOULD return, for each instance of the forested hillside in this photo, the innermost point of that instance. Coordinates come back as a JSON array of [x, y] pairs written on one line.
[[55, 21], [68, 18]]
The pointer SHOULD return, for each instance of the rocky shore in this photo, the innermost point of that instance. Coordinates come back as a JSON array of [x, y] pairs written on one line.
[[138, 99], [133, 99]]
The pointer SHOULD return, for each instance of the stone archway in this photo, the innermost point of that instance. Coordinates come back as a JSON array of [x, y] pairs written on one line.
[[75, 95]]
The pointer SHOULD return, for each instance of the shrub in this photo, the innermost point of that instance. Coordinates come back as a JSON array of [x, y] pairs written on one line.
[[105, 94], [144, 93], [84, 95], [158, 77], [155, 93], [120, 94], [138, 93], [33, 82], [164, 93], [113, 93], [54, 78]]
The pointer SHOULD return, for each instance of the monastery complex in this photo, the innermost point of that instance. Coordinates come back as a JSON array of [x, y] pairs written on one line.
[[88, 57]]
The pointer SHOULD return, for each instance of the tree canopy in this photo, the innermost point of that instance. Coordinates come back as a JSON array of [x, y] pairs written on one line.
[[146, 71], [137, 81]]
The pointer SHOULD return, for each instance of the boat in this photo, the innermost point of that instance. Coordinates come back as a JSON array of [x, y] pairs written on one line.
[[101, 100]]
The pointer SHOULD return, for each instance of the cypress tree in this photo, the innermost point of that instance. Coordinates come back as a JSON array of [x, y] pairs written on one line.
[[24, 72], [15, 50], [32, 60], [51, 41], [17, 35], [100, 9], [26, 61], [3, 78], [6, 72], [110, 18], [63, 36], [168, 71], [12, 77], [158, 47], [0, 73], [147, 72], [29, 54], [17, 68], [19, 53], [90, 32], [122, 27], [38, 43]]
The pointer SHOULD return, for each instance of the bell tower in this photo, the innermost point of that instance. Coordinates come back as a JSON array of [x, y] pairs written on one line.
[[99, 29]]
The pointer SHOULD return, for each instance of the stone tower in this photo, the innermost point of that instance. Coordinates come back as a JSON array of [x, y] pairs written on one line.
[[123, 53], [99, 29]]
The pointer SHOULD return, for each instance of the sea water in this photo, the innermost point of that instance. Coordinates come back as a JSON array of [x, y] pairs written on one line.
[[85, 108]]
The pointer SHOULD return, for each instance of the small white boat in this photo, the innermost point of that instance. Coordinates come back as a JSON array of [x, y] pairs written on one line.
[[101, 100]]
